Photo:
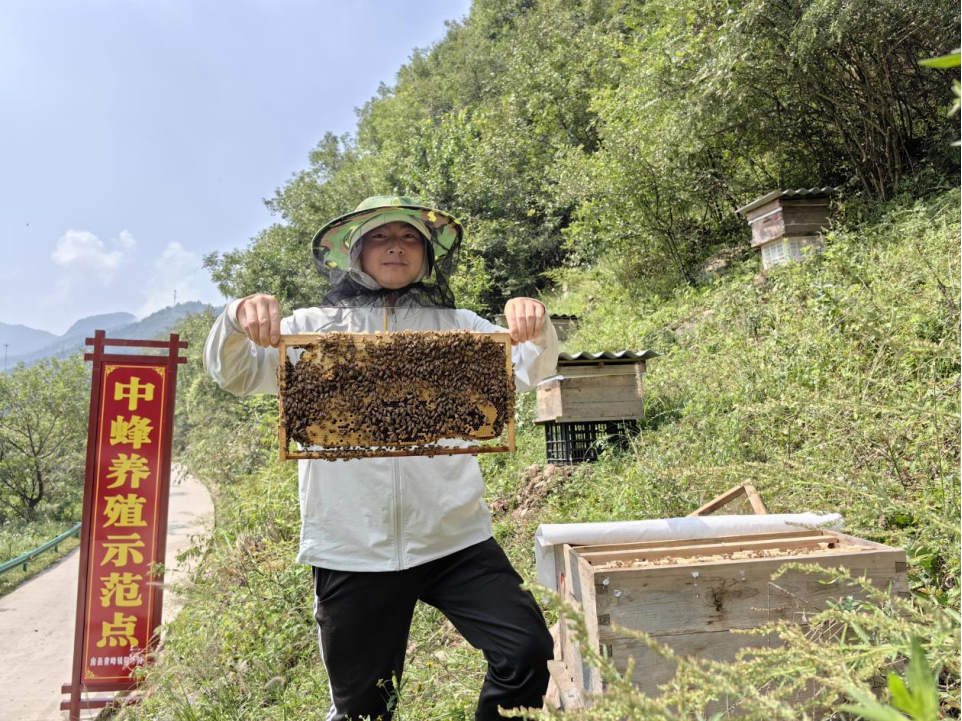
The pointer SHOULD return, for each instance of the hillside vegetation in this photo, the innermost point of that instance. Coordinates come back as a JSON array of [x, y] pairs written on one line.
[[831, 385], [595, 151], [560, 130]]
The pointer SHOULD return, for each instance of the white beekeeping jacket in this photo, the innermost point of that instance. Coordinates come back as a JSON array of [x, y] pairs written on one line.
[[378, 514]]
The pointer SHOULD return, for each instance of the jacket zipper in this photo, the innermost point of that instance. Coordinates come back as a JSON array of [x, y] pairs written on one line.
[[398, 488], [398, 530]]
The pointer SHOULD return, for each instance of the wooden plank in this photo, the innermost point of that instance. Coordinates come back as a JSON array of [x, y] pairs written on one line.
[[755, 500], [548, 402], [569, 696], [571, 656], [574, 594], [762, 210], [805, 215], [804, 230], [596, 413], [600, 371], [709, 547], [282, 440], [790, 201], [691, 565], [723, 500], [434, 451], [688, 541], [599, 399], [586, 385], [572, 575], [295, 340], [590, 682], [509, 371], [590, 398], [668, 600], [766, 229], [603, 389], [730, 495], [652, 670]]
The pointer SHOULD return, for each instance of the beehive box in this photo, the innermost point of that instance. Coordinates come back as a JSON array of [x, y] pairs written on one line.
[[788, 213], [351, 395], [689, 595], [785, 223], [591, 387]]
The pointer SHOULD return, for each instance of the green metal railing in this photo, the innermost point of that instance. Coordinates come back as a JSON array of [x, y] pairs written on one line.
[[30, 555]]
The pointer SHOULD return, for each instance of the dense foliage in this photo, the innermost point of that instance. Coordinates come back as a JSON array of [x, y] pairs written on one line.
[[832, 385], [557, 130], [596, 151], [43, 430]]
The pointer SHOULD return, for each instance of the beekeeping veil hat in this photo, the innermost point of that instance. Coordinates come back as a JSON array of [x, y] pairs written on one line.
[[335, 249]]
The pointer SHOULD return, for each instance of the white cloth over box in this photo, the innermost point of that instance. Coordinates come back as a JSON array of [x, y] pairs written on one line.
[[550, 538]]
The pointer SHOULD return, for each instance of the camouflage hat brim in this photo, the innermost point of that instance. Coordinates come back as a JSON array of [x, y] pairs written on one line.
[[331, 244]]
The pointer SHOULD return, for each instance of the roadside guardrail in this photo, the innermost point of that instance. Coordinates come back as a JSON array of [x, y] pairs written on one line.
[[24, 559]]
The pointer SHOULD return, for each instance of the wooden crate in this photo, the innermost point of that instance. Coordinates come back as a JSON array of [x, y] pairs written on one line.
[[691, 606], [343, 435], [593, 392], [788, 217]]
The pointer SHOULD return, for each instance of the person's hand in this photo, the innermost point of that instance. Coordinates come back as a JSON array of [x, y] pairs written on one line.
[[525, 318], [259, 317]]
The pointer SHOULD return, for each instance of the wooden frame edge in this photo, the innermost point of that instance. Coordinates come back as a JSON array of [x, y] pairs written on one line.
[[720, 501], [295, 340]]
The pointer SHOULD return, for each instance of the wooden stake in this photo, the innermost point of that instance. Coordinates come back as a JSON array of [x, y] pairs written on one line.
[[730, 495]]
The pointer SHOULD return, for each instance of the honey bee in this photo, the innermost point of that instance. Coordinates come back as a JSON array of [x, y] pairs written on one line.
[[401, 391]]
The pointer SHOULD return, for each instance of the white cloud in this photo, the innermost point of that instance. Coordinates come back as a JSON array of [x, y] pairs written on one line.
[[126, 240], [84, 256], [177, 269]]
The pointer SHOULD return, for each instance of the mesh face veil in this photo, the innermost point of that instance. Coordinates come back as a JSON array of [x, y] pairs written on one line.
[[336, 248]]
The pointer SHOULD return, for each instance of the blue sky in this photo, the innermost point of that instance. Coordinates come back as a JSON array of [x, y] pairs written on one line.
[[138, 135]]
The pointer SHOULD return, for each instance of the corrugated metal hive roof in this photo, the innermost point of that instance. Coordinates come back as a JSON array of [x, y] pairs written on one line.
[[622, 355], [825, 192]]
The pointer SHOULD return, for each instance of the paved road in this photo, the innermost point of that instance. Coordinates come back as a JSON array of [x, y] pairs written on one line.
[[37, 619]]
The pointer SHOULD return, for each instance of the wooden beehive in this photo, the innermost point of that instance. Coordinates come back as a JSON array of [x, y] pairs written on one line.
[[351, 395], [689, 595], [594, 387], [784, 222]]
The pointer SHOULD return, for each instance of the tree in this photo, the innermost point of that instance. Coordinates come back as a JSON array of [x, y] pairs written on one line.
[[43, 429]]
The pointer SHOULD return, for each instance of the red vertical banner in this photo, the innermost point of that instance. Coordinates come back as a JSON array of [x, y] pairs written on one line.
[[124, 529], [120, 596]]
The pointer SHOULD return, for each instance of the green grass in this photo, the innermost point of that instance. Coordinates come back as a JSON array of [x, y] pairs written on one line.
[[19, 538], [831, 385]]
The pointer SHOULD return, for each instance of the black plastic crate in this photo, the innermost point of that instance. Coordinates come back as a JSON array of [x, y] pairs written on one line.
[[581, 442]]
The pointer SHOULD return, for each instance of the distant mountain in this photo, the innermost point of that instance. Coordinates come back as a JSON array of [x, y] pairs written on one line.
[[104, 321], [22, 339], [117, 325], [159, 323]]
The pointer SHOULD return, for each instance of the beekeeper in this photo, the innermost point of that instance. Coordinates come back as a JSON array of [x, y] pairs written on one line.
[[383, 533]]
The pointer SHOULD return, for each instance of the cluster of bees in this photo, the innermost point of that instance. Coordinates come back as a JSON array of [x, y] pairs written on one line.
[[351, 396]]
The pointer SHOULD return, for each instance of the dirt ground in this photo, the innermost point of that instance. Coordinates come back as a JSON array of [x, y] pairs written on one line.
[[37, 619]]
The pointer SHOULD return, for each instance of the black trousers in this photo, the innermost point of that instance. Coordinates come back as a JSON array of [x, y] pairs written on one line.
[[364, 618]]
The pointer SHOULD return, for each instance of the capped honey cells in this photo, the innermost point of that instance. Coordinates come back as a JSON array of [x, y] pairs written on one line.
[[353, 395]]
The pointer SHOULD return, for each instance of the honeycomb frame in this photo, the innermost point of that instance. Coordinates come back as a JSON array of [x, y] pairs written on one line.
[[340, 442]]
